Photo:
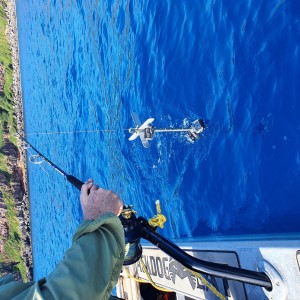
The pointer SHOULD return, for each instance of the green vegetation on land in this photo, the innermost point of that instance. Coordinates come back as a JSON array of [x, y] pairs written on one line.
[[13, 244], [6, 98]]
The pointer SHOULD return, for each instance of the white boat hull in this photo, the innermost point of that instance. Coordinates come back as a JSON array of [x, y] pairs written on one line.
[[277, 256]]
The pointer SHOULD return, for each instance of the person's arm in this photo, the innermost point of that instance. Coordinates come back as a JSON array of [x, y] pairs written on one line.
[[91, 267]]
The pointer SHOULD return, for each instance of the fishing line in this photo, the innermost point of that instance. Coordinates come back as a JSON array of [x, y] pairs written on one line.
[[73, 132], [144, 131]]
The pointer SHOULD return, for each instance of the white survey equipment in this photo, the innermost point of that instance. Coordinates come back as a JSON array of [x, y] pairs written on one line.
[[146, 130]]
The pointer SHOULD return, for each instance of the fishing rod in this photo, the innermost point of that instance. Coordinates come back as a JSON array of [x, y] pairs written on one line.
[[137, 228], [33, 157]]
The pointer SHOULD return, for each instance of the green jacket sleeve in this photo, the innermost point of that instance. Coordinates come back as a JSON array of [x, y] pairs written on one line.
[[90, 268]]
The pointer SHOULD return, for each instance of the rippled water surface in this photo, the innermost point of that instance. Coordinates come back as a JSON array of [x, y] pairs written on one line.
[[86, 65]]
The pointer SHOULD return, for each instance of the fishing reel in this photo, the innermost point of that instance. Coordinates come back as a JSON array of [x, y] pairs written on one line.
[[133, 234], [137, 228]]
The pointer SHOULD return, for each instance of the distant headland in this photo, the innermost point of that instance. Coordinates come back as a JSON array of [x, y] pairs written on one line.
[[15, 243]]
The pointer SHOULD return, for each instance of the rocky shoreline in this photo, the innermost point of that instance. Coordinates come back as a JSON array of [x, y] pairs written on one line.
[[17, 156]]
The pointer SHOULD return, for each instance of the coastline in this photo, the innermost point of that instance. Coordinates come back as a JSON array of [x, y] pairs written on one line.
[[17, 157]]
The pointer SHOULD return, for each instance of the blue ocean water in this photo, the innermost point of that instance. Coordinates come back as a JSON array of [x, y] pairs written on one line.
[[86, 65]]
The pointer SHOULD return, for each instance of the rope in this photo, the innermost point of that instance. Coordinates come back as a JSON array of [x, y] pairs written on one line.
[[159, 219], [203, 280], [149, 278], [72, 132], [135, 278], [208, 285]]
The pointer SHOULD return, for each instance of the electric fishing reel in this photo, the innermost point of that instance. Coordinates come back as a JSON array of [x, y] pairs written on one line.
[[133, 234], [135, 228]]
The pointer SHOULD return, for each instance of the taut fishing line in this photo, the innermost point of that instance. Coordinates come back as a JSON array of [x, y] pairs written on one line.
[[74, 132]]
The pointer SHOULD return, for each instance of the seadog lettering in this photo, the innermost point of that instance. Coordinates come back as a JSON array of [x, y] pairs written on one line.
[[171, 269], [156, 266]]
